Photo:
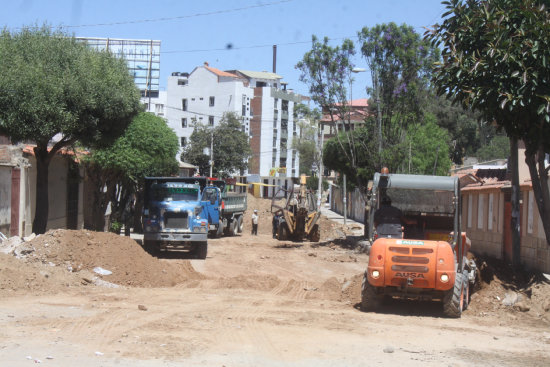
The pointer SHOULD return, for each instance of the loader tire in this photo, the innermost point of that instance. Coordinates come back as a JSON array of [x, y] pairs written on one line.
[[201, 250], [282, 232], [453, 301], [315, 234], [370, 300]]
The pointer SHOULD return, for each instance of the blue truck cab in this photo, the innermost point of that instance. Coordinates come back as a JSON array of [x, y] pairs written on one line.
[[173, 216]]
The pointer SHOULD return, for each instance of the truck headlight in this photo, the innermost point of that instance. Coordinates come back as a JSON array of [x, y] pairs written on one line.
[[375, 274], [444, 278]]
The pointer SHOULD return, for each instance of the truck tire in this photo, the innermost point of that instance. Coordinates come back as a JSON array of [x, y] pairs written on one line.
[[453, 301], [315, 234], [152, 247], [219, 231], [201, 250], [240, 224], [232, 227], [370, 300]]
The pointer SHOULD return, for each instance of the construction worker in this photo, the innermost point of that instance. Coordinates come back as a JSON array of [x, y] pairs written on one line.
[[255, 222]]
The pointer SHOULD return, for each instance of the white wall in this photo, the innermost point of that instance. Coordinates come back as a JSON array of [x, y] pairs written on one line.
[[5, 198], [201, 85]]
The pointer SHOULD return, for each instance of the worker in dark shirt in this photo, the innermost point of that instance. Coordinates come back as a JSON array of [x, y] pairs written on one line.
[[388, 220]]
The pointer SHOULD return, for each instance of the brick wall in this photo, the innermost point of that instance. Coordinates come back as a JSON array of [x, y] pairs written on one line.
[[255, 131]]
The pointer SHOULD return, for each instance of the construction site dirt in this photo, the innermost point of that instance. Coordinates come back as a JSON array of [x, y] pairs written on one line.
[[82, 298]]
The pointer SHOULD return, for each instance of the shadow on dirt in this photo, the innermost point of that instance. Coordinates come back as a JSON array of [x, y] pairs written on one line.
[[403, 307]]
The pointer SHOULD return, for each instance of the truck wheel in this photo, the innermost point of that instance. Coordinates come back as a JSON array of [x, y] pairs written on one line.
[[282, 232], [240, 224], [152, 247], [453, 301], [315, 234], [219, 231], [201, 250], [232, 227], [370, 300]]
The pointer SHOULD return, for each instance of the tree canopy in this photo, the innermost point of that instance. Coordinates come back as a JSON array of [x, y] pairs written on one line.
[[495, 60], [52, 85], [231, 147], [428, 149], [307, 142], [400, 63]]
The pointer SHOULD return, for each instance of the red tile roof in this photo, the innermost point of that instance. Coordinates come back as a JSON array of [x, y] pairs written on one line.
[[218, 72]]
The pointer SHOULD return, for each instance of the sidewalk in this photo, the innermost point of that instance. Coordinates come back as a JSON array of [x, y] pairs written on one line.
[[335, 217]]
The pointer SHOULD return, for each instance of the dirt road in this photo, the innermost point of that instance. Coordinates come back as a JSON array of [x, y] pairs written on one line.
[[253, 302]]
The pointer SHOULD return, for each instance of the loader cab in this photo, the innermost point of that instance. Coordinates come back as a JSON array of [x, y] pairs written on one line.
[[430, 205]]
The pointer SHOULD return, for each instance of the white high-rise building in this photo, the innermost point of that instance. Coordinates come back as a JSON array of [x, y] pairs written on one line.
[[265, 109]]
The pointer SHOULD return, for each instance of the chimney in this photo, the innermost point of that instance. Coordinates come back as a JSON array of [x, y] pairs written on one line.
[[274, 59], [206, 63]]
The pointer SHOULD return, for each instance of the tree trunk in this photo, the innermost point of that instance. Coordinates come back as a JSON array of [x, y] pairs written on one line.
[[539, 180], [42, 205], [98, 192], [515, 221]]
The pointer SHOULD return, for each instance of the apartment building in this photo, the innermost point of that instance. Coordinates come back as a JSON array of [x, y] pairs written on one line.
[[260, 100]]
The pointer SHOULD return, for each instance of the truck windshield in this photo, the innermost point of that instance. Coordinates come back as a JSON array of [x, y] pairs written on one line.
[[162, 193]]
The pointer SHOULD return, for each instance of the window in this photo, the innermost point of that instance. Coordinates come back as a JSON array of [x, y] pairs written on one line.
[[182, 82], [276, 100], [211, 120], [211, 101], [184, 104], [159, 109], [184, 122], [183, 141]]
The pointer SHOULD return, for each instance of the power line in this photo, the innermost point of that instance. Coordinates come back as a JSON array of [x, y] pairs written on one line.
[[165, 19]]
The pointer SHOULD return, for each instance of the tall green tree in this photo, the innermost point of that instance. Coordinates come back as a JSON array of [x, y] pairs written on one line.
[[429, 146], [497, 148], [400, 63], [115, 173], [307, 143], [231, 147], [495, 59], [51, 85], [327, 71]]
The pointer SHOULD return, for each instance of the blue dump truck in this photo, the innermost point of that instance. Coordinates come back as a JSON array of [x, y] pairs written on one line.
[[180, 212]]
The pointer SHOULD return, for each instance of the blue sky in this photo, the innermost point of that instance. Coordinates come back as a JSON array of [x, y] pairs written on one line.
[[193, 32]]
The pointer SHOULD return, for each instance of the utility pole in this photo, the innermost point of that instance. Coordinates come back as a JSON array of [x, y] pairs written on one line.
[[345, 201], [378, 112], [211, 151], [320, 184]]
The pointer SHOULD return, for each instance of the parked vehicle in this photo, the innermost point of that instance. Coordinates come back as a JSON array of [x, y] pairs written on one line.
[[426, 257], [180, 212]]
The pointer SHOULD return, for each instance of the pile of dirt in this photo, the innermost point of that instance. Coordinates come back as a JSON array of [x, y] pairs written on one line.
[[503, 290], [80, 252], [17, 276]]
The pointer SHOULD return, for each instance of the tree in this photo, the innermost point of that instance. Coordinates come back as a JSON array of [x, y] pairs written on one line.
[[428, 148], [115, 173], [306, 143], [52, 85], [327, 70], [400, 63], [497, 148], [335, 159], [231, 147], [467, 130], [495, 60]]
